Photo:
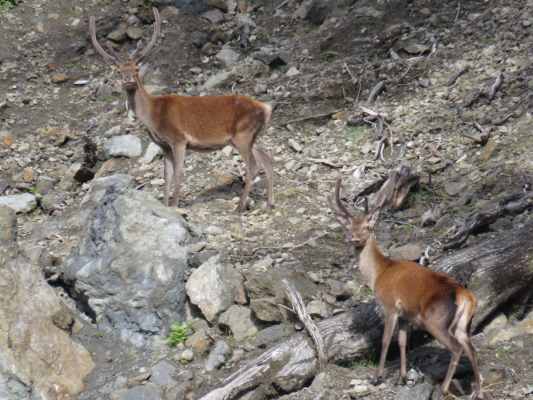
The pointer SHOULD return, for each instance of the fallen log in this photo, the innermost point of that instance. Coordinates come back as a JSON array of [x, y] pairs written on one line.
[[495, 270]]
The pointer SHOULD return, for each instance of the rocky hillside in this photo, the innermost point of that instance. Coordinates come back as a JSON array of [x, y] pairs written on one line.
[[440, 89]]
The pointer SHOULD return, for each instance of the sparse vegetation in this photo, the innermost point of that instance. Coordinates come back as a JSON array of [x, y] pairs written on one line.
[[8, 4], [178, 335]]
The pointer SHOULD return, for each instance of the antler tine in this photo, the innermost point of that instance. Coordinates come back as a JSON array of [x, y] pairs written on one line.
[[137, 49], [339, 205], [103, 53], [157, 30], [112, 51]]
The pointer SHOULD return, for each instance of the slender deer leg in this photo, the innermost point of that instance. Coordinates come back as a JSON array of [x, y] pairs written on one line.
[[442, 335], [268, 164], [168, 163], [464, 339], [391, 316], [402, 341], [178, 151], [243, 144]]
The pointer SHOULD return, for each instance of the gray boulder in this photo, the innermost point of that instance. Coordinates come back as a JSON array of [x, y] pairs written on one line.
[[123, 146], [143, 392], [213, 287], [217, 356], [420, 392], [128, 269]]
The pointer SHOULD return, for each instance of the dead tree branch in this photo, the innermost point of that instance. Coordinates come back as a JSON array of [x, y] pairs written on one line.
[[292, 121], [305, 318], [454, 77]]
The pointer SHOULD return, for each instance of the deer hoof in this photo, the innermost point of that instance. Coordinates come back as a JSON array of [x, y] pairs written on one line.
[[401, 380], [375, 380]]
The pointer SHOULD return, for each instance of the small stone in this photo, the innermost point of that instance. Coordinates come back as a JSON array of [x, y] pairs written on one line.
[[187, 355], [29, 175], [122, 146], [59, 78], [118, 36], [293, 71], [134, 33]]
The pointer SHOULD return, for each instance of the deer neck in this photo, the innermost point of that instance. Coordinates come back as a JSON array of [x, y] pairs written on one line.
[[370, 260], [140, 102]]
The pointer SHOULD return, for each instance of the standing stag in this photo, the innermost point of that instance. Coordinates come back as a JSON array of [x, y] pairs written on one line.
[[410, 292], [178, 123]]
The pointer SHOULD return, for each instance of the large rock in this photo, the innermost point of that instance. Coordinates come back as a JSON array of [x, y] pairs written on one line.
[[220, 80], [123, 146], [213, 287], [265, 289], [19, 203], [241, 322], [128, 269], [38, 357]]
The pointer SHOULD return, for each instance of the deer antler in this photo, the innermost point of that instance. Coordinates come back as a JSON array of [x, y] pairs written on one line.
[[102, 52], [337, 206], [138, 58]]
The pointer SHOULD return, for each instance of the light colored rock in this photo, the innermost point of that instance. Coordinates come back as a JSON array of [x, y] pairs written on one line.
[[143, 392], [228, 57], [217, 356], [122, 146], [317, 308], [67, 181], [213, 287], [38, 353], [151, 151], [293, 71], [499, 320], [220, 80], [20, 203], [419, 392], [409, 252], [162, 374]]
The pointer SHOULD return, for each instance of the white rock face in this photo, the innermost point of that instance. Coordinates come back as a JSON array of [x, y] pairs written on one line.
[[213, 287], [19, 202], [123, 146]]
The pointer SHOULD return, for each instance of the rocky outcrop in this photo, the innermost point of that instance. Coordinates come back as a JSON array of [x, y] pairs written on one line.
[[39, 359], [128, 270]]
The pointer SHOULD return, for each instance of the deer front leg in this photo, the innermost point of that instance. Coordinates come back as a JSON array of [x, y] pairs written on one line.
[[168, 163], [402, 341], [244, 144], [391, 316], [178, 152]]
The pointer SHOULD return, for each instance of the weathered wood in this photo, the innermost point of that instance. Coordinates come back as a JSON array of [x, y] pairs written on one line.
[[516, 204], [495, 270]]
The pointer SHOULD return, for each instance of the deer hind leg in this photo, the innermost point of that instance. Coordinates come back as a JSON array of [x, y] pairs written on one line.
[[461, 333], [244, 143], [169, 167], [268, 164], [402, 342], [442, 334], [390, 320], [178, 154]]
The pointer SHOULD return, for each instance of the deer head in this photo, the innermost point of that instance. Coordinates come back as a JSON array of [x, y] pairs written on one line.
[[359, 230], [128, 70]]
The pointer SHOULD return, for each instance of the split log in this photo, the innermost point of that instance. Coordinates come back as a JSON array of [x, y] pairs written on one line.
[[513, 205], [496, 270], [395, 190]]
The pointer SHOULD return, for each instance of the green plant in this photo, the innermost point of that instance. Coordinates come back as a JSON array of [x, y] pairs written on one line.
[[110, 97], [108, 2], [184, 361], [147, 4], [73, 65], [8, 4], [327, 57], [23, 135], [34, 191], [98, 335], [413, 125], [178, 335], [367, 289], [366, 362]]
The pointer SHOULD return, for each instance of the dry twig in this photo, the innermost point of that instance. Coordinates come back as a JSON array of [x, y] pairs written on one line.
[[454, 77], [305, 318], [377, 89]]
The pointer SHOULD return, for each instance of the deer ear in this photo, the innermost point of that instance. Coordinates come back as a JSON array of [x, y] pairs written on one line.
[[342, 220], [374, 217]]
